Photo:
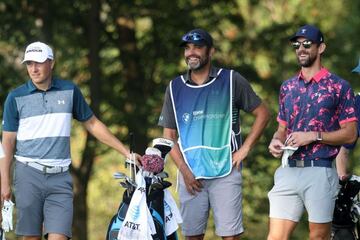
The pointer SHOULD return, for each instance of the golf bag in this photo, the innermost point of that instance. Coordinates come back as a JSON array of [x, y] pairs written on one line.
[[345, 225], [155, 202], [154, 199], [117, 220]]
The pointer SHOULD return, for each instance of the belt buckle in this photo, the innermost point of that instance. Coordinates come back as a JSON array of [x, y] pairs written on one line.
[[56, 169], [300, 163], [52, 170]]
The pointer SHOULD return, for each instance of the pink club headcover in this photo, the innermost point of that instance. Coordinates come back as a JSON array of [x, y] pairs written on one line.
[[152, 161]]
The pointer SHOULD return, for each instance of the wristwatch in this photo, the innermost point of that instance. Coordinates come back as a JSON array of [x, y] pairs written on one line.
[[319, 136]]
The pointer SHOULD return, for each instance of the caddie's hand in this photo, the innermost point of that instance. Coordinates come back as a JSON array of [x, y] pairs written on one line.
[[192, 184], [239, 156], [275, 147]]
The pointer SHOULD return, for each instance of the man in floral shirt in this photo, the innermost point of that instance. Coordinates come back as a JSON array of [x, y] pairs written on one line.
[[316, 116]]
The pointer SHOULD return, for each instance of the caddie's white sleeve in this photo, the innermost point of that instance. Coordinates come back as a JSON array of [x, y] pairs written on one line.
[[1, 151]]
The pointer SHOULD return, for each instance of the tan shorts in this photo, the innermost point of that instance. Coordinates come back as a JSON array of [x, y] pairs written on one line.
[[223, 196], [311, 188]]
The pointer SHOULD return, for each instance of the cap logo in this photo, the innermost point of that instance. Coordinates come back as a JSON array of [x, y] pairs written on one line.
[[303, 31], [34, 50]]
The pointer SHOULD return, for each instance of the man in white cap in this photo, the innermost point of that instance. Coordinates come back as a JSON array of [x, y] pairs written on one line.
[[36, 131]]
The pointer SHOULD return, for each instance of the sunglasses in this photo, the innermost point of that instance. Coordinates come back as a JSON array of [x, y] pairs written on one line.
[[306, 44], [192, 37]]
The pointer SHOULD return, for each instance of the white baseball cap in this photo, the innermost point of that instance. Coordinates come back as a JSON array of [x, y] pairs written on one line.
[[38, 52]]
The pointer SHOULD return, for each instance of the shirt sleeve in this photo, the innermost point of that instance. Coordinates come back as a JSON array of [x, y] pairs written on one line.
[[244, 96], [357, 110], [10, 114], [346, 106], [167, 117], [281, 117], [81, 110]]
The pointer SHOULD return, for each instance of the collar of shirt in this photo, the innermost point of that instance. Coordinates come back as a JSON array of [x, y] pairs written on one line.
[[32, 88], [212, 74], [317, 77]]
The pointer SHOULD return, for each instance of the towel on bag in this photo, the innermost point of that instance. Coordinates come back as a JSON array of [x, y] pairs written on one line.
[[172, 214], [138, 223]]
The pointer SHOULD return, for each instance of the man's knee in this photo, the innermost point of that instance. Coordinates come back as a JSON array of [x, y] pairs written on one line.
[[55, 236], [319, 235], [319, 231], [198, 237], [274, 236]]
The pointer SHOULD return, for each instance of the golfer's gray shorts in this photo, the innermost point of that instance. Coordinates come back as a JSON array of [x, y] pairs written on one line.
[[312, 188], [223, 196], [42, 199]]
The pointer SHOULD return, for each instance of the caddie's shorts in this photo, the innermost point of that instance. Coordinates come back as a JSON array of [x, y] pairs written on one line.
[[223, 196], [312, 188], [42, 199]]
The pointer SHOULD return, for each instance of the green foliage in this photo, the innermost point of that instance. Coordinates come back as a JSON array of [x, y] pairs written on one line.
[[139, 55]]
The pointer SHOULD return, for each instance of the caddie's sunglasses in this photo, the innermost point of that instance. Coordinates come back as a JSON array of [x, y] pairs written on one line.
[[306, 44], [192, 37]]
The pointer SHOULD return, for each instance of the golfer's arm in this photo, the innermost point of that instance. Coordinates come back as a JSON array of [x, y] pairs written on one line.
[[347, 134], [8, 142], [175, 152], [342, 160], [103, 134]]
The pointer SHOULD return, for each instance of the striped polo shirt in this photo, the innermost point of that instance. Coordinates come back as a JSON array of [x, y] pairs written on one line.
[[42, 120]]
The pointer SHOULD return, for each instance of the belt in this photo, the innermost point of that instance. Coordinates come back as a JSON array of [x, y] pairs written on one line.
[[311, 163], [46, 169]]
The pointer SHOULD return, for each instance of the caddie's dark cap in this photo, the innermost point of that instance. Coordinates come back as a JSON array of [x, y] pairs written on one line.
[[309, 32], [198, 37]]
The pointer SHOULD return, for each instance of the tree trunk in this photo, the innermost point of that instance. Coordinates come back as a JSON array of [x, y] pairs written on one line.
[[82, 174], [133, 74]]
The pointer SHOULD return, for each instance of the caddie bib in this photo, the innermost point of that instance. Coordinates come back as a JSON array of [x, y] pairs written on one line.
[[203, 119]]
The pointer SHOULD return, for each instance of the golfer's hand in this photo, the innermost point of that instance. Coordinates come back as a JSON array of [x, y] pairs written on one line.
[[136, 157], [298, 139], [192, 185], [5, 191], [275, 147]]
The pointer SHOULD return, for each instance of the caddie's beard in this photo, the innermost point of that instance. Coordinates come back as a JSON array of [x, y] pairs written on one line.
[[307, 62], [198, 65]]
